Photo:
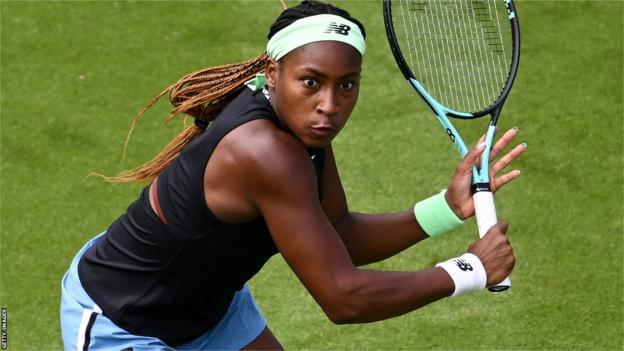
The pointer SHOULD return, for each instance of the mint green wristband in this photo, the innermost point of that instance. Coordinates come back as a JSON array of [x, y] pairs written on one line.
[[435, 216]]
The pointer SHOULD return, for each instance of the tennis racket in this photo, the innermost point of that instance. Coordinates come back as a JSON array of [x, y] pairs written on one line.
[[461, 57]]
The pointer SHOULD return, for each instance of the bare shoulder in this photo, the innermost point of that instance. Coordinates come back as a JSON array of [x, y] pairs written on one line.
[[253, 164], [260, 147]]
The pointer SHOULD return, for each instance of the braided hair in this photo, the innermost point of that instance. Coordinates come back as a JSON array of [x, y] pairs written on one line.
[[202, 95]]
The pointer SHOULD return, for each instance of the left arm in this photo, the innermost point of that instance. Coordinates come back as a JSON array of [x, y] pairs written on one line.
[[373, 237]]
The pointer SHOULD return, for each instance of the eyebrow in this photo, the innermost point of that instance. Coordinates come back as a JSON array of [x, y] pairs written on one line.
[[323, 75]]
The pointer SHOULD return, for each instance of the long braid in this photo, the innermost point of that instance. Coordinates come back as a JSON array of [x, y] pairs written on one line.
[[203, 94]]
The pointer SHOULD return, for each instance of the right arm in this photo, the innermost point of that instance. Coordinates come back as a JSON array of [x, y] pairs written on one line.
[[284, 192]]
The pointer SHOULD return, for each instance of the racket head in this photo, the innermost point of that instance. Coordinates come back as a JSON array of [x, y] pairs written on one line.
[[463, 54]]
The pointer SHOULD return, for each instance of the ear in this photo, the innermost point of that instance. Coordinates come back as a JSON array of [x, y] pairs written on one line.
[[271, 73]]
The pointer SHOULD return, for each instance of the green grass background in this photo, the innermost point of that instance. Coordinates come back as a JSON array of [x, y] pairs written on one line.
[[73, 74]]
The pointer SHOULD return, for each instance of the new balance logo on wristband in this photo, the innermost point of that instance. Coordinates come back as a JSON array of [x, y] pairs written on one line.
[[338, 29], [467, 273], [463, 265]]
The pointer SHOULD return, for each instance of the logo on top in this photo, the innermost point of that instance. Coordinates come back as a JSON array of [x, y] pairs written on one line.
[[338, 29], [463, 265]]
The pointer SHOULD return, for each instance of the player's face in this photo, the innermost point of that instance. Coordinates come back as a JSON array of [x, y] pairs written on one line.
[[314, 89]]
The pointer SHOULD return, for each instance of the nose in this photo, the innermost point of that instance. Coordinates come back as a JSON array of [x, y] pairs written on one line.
[[328, 102]]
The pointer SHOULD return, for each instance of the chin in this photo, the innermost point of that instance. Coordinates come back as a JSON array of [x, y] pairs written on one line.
[[317, 143]]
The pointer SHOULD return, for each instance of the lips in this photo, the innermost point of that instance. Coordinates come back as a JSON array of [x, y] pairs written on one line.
[[322, 130]]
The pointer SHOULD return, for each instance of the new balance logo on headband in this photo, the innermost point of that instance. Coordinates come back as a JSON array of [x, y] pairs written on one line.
[[312, 29], [338, 29]]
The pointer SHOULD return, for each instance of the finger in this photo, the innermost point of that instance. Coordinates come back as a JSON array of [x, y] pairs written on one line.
[[501, 227], [471, 158], [479, 142], [508, 158], [503, 142], [481, 139], [504, 179], [497, 228]]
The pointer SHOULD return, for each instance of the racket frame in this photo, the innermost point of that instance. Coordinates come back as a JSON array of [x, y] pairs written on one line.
[[484, 201]]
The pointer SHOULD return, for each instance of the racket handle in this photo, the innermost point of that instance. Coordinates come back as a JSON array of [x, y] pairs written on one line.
[[486, 218], [485, 211]]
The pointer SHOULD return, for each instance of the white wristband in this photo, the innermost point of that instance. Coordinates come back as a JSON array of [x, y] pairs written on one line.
[[467, 273]]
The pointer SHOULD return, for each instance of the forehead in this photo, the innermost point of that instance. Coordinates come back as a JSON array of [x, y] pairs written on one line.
[[327, 56]]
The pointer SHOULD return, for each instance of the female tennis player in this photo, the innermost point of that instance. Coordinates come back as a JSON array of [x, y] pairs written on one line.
[[253, 176]]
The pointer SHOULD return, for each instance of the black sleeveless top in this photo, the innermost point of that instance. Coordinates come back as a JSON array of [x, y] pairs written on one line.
[[175, 281]]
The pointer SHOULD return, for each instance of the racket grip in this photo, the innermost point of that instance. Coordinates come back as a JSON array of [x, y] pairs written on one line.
[[485, 212]]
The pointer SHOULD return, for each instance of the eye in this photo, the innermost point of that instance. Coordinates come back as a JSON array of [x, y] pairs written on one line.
[[347, 85], [309, 82]]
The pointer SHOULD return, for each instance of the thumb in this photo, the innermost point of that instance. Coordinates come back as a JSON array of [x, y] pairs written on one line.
[[502, 226], [499, 227], [471, 159]]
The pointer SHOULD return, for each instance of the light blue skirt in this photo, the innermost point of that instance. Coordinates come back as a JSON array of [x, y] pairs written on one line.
[[84, 327]]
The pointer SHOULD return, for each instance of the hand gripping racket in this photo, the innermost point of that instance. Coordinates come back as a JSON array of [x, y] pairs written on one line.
[[461, 57]]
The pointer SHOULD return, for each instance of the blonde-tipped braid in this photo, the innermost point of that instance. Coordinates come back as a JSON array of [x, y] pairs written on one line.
[[201, 95]]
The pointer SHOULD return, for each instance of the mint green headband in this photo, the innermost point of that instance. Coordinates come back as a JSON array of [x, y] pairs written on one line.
[[312, 29], [309, 30]]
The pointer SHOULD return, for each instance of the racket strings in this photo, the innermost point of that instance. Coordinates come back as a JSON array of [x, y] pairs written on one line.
[[459, 50]]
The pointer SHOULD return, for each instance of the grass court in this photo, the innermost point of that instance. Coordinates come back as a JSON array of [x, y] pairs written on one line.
[[74, 73]]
